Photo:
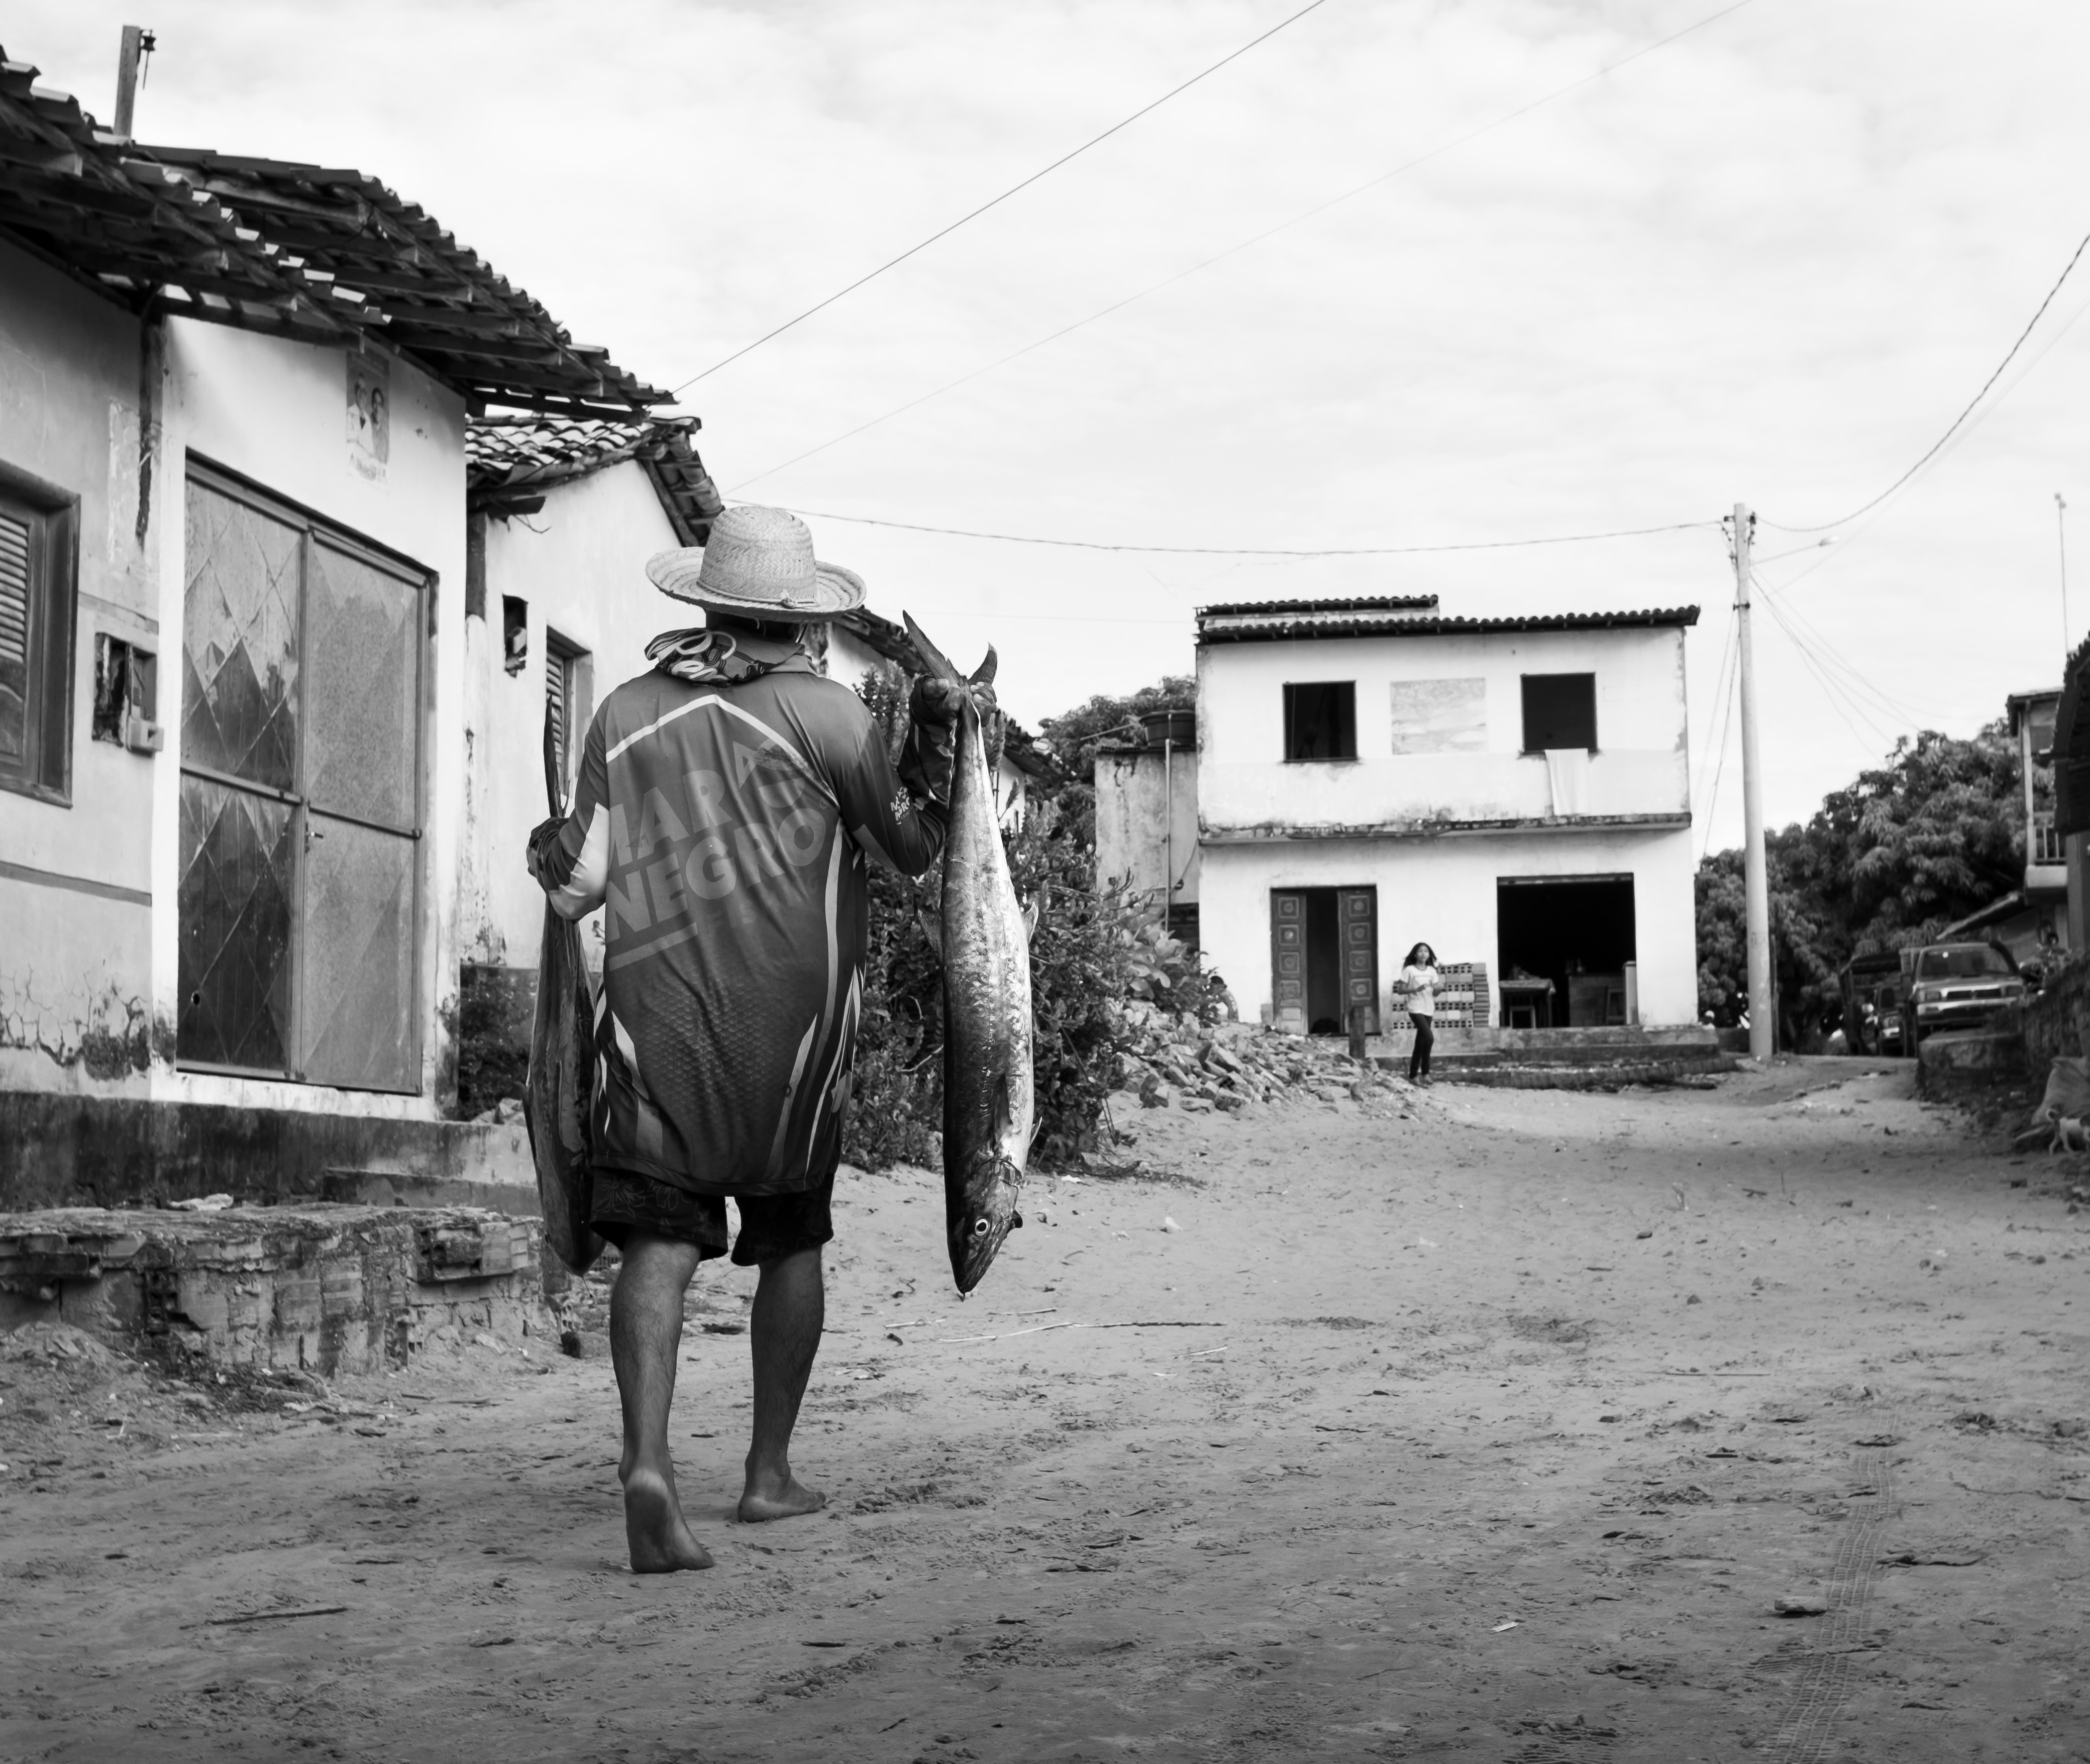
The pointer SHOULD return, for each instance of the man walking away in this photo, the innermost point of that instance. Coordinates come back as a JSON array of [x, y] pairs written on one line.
[[728, 800]]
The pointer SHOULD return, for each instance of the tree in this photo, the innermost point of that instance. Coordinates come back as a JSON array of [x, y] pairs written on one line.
[[1094, 950], [1904, 850], [1076, 735]]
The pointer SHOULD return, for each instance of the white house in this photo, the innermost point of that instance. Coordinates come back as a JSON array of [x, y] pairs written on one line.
[[1514, 792], [564, 513], [234, 613]]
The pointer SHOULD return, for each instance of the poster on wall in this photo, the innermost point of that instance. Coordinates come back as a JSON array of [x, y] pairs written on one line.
[[369, 414], [1440, 715]]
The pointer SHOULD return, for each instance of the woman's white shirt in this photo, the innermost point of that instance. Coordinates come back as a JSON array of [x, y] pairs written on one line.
[[1421, 985]]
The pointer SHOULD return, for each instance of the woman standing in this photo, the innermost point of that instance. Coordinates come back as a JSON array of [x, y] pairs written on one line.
[[1418, 981]]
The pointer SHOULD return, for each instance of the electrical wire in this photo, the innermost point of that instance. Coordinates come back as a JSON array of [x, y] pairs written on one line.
[[1318, 208], [1727, 651], [1913, 712], [1258, 551], [1845, 541], [1838, 696], [1720, 751], [1064, 158], [1937, 446]]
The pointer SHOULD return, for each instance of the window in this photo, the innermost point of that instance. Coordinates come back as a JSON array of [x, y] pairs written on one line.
[[1321, 720], [566, 706], [1963, 961], [298, 906], [126, 694], [1559, 711], [514, 633], [38, 555]]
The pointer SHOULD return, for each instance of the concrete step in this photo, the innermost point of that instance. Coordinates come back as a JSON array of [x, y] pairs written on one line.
[[1687, 1047], [63, 1150]]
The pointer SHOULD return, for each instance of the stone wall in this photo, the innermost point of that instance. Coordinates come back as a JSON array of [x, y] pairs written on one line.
[[2056, 1022], [321, 1289]]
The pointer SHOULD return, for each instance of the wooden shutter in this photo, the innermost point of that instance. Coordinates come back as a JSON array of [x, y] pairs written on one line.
[[1288, 959], [558, 691], [16, 584]]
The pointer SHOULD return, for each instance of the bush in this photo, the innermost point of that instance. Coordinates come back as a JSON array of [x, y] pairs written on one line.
[[1094, 950]]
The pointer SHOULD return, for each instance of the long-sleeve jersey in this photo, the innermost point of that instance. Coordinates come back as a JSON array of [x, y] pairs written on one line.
[[726, 828]]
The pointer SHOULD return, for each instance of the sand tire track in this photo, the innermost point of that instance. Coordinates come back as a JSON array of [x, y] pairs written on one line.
[[1804, 1732]]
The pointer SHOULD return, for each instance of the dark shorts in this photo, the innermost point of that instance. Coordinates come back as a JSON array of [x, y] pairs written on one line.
[[771, 1225]]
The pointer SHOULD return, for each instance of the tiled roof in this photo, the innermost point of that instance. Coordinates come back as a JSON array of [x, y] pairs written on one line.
[[1023, 750], [1396, 603], [321, 255], [511, 461], [1318, 628]]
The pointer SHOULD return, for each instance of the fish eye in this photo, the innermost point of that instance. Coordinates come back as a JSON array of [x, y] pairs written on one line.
[[979, 1227]]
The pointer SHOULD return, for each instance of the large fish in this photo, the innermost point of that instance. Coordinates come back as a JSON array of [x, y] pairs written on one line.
[[988, 1108], [557, 1094]]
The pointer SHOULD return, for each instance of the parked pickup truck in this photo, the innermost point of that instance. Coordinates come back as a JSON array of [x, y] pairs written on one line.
[[1957, 986]]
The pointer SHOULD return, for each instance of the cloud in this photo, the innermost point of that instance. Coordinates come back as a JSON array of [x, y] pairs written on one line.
[[1768, 263]]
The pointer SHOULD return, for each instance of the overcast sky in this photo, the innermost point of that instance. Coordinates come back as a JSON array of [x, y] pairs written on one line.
[[1769, 262]]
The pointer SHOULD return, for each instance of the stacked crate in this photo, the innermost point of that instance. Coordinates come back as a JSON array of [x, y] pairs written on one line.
[[1462, 997]]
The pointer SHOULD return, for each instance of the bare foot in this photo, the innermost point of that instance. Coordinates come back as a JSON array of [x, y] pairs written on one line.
[[768, 1497], [653, 1526]]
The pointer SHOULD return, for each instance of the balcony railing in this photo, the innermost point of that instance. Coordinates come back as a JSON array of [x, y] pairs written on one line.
[[2045, 846]]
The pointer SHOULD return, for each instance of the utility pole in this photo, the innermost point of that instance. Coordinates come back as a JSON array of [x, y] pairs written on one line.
[[1763, 1009], [137, 44]]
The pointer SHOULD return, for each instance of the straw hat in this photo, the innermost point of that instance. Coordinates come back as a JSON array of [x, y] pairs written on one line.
[[759, 563]]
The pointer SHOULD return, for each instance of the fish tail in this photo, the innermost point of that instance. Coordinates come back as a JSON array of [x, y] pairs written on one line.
[[933, 659]]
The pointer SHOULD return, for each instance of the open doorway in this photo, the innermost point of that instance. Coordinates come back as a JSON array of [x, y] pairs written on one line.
[[1324, 958], [1563, 942]]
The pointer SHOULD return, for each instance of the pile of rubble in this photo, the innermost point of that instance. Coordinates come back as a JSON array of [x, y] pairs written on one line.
[[1174, 1061]]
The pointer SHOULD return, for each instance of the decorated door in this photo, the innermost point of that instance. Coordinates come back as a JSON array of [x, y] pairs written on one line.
[[1356, 919], [1288, 959]]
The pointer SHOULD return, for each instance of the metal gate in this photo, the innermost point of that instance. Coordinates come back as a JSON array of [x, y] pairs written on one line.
[[299, 898]]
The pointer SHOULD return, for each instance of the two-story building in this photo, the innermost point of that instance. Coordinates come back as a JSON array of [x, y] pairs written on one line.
[[2032, 920], [1514, 792]]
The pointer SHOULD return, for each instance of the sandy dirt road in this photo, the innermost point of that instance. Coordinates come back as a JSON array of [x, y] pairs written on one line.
[[1505, 1425]]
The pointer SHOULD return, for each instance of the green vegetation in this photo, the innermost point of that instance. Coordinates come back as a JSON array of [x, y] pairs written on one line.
[[1909, 846], [1093, 952]]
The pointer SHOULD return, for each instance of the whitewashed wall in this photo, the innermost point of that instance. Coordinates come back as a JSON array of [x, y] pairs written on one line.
[[580, 564], [1442, 892], [1640, 766], [76, 879], [1133, 818]]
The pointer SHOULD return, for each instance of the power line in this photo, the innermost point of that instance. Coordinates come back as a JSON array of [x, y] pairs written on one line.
[[1258, 550], [945, 232], [1169, 281], [1837, 695], [1718, 702], [1720, 752], [1845, 541], [1936, 447], [1913, 711]]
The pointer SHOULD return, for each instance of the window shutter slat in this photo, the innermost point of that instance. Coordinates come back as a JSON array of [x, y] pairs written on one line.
[[556, 669], [14, 591]]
